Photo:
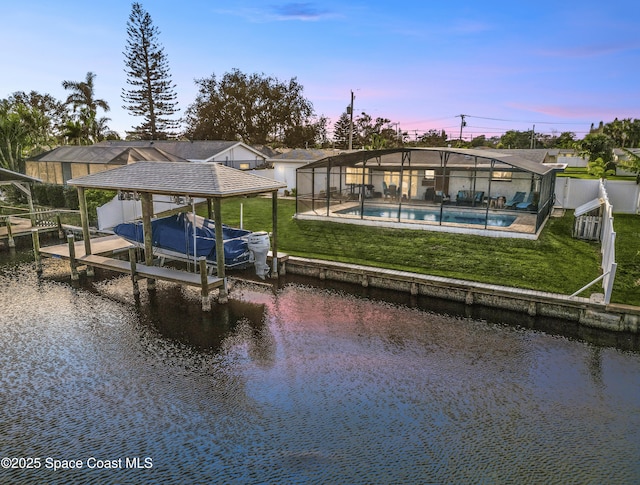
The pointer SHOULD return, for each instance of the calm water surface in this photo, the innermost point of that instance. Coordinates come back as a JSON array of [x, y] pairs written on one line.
[[298, 385]]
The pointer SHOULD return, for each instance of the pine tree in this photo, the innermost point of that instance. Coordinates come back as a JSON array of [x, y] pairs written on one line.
[[153, 93], [341, 131]]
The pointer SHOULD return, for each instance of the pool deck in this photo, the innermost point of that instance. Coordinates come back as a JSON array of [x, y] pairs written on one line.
[[522, 228]]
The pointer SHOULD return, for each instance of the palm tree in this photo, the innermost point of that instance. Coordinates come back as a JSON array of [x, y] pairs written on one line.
[[82, 99]]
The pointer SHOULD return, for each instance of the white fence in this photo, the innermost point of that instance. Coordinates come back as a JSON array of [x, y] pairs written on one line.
[[607, 247], [624, 196]]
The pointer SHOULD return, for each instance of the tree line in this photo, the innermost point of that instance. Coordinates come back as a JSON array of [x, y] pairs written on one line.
[[253, 108]]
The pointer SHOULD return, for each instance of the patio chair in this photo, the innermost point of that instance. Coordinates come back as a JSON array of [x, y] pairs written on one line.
[[393, 191], [441, 197], [478, 198], [530, 203], [385, 189], [515, 200]]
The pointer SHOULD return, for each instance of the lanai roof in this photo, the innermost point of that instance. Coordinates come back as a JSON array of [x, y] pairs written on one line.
[[427, 157], [208, 180]]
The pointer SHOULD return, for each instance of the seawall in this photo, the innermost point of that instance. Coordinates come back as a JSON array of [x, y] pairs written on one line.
[[586, 312]]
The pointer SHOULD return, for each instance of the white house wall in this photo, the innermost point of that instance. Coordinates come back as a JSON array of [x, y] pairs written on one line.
[[285, 172], [463, 180], [238, 155]]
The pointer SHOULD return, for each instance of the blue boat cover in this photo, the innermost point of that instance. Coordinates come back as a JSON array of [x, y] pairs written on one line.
[[175, 233]]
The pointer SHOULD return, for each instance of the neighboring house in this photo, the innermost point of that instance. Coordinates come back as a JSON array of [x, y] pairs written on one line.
[[286, 164], [66, 162], [233, 154]]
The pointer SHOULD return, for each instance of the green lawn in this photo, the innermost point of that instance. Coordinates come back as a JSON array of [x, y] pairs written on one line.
[[582, 173], [555, 262]]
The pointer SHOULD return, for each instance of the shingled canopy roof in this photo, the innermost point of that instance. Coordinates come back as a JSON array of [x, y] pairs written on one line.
[[197, 179]]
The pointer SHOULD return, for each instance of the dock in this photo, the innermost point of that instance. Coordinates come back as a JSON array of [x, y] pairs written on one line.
[[104, 248], [15, 226]]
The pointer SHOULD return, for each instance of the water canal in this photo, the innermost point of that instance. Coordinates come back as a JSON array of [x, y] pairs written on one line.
[[298, 385]]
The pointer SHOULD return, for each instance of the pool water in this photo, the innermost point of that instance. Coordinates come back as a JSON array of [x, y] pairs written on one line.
[[433, 215]]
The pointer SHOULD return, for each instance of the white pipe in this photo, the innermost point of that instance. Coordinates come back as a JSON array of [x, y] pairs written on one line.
[[193, 225]]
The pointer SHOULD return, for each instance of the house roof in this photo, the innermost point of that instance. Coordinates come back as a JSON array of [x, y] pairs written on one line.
[[188, 150], [96, 154], [208, 180], [305, 155], [428, 157], [11, 176]]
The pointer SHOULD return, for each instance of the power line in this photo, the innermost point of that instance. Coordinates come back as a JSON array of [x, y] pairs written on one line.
[[529, 122]]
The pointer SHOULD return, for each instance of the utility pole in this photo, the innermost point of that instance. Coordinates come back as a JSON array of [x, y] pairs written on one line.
[[463, 123], [533, 134], [350, 112]]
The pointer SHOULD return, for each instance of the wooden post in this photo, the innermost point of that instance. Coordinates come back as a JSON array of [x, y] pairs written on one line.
[[36, 250], [84, 217], [274, 234], [59, 224], [72, 257], [217, 216], [134, 271], [209, 209], [147, 214], [204, 281], [11, 242]]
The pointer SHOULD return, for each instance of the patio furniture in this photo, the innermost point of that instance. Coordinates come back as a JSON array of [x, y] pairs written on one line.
[[441, 197], [497, 202], [515, 200], [468, 197], [530, 203], [430, 194]]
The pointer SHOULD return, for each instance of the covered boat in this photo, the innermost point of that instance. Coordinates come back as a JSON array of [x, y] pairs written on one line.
[[174, 237]]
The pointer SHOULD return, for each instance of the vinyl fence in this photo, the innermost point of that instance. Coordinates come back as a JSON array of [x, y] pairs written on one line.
[[607, 247]]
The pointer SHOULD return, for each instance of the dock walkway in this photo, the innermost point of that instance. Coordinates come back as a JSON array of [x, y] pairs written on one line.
[[104, 247]]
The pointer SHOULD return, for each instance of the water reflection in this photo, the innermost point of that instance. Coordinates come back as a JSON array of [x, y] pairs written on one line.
[[297, 384]]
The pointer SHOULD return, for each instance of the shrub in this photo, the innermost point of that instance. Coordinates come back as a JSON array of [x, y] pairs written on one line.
[[71, 198], [95, 198]]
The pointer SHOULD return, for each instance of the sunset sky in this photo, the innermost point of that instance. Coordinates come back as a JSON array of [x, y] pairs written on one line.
[[504, 64]]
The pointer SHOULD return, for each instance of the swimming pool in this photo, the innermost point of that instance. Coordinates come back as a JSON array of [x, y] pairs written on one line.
[[432, 215]]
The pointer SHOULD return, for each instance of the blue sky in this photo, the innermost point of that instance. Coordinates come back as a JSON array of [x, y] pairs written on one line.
[[506, 65]]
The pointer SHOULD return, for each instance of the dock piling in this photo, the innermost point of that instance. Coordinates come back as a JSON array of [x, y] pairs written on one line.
[[134, 276], [36, 250], [59, 224], [11, 241], [71, 240], [206, 301]]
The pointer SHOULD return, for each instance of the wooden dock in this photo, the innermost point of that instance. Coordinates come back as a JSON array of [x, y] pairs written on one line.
[[104, 247]]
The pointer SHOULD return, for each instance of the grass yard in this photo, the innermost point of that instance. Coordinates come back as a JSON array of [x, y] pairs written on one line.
[[555, 262]]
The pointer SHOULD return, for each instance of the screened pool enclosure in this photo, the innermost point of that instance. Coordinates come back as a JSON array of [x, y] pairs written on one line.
[[490, 192]]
